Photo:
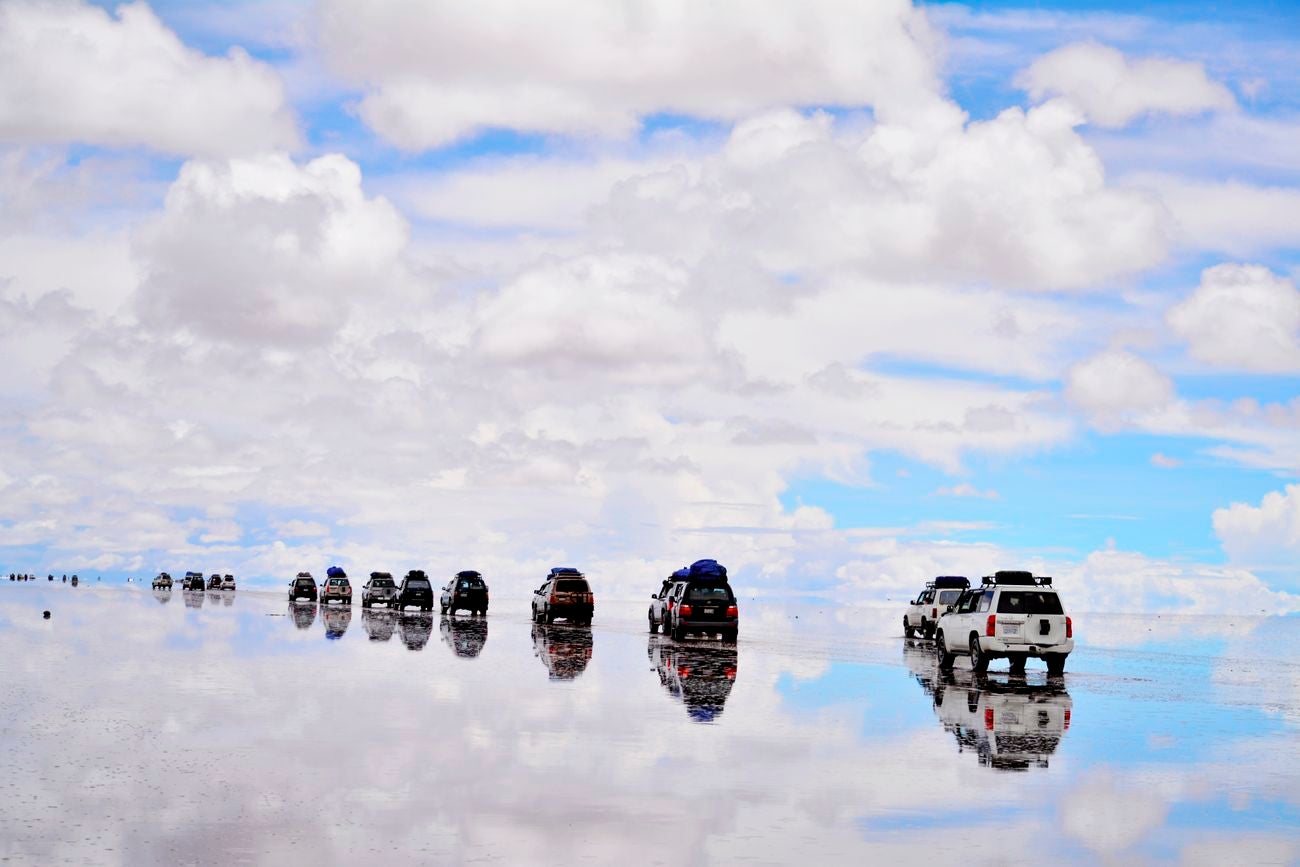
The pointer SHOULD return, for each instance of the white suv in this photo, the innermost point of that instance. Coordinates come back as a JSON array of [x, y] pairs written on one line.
[[923, 611], [1013, 615]]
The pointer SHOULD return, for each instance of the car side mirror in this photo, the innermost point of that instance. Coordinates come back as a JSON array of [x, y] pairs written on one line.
[[948, 609]]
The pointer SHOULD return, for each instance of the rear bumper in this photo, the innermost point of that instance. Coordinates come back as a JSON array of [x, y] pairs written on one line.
[[571, 610], [996, 647]]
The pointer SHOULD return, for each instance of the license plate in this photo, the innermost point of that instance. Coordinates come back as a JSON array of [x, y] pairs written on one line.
[[1009, 718], [710, 611], [1011, 628]]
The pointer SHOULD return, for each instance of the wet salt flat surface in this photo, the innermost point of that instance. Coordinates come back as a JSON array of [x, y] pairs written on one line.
[[172, 728]]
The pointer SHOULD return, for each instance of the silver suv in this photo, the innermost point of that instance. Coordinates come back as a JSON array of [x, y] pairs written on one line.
[[1012, 615]]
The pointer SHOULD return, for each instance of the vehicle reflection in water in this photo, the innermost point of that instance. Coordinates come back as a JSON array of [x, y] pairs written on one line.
[[415, 629], [193, 598], [565, 650], [337, 618], [378, 623], [163, 596], [304, 614], [227, 598], [701, 675], [464, 635], [1010, 722]]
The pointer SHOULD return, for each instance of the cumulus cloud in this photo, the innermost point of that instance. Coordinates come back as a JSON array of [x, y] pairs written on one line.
[[1267, 534], [1113, 90], [436, 72], [73, 72], [1115, 385], [1243, 317], [965, 489]]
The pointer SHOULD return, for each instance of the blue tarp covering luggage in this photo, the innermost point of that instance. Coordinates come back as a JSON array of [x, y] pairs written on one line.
[[708, 569], [336, 572]]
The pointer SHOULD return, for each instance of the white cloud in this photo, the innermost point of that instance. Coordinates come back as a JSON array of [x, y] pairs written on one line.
[[436, 72], [1236, 218], [1165, 462], [965, 489], [1267, 534], [73, 72], [1117, 384], [1242, 317], [1113, 90]]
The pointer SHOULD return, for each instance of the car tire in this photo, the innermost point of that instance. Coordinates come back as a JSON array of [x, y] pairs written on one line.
[[547, 617], [942, 654], [679, 633], [1055, 664], [444, 610], [1018, 662], [729, 635], [979, 660], [654, 627], [908, 631]]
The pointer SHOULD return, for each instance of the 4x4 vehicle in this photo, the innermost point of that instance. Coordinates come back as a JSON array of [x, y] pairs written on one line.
[[336, 587], [193, 581], [303, 587], [415, 590], [467, 591], [703, 603], [162, 582], [923, 611], [214, 583], [659, 602], [565, 593], [1013, 615], [380, 588], [227, 582]]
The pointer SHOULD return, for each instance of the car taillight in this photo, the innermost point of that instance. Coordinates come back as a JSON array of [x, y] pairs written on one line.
[[553, 599], [1067, 718], [591, 598], [1069, 631], [683, 671], [988, 718], [934, 612], [730, 674], [670, 605], [733, 611], [684, 610], [988, 628]]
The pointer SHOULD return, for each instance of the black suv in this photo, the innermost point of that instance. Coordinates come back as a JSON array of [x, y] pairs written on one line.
[[702, 605], [415, 590], [565, 593], [193, 581], [303, 587], [467, 591]]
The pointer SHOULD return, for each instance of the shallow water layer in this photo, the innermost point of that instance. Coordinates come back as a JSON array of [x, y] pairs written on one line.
[[141, 727]]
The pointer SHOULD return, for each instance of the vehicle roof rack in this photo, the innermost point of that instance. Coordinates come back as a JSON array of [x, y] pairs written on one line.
[[1044, 580], [564, 570], [469, 573], [950, 582], [381, 575], [1010, 577]]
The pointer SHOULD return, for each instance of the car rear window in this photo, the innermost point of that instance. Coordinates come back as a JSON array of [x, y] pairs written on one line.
[[471, 584], [1029, 602], [572, 585], [418, 583], [381, 582], [947, 597], [709, 593], [304, 582]]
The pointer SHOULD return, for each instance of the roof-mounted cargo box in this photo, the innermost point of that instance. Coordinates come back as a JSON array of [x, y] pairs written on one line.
[[1021, 579], [950, 582]]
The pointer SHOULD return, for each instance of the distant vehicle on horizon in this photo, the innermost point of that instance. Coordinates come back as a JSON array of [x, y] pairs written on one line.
[[659, 602], [703, 603], [303, 586], [465, 591], [923, 611], [1012, 615], [228, 582], [192, 581], [564, 594], [162, 582], [336, 587], [414, 590], [380, 588], [214, 583]]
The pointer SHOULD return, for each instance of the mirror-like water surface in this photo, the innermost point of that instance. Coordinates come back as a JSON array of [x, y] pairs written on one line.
[[147, 727]]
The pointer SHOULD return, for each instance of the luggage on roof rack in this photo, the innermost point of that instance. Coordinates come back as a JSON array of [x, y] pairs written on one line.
[[950, 582], [380, 575], [708, 569], [1006, 576], [469, 573], [335, 572], [303, 575], [416, 573], [564, 570]]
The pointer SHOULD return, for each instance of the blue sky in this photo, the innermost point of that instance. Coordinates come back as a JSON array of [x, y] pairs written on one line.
[[985, 284]]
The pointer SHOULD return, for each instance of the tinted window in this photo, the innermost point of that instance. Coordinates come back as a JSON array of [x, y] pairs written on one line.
[[1029, 602], [947, 597], [305, 582], [417, 583], [986, 600], [471, 584], [709, 594], [381, 582], [968, 603], [572, 585]]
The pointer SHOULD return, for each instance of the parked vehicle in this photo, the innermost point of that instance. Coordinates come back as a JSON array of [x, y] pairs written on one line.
[[380, 588], [214, 582], [193, 581], [465, 591], [923, 612], [336, 588], [227, 582], [659, 602], [564, 650], [700, 675], [703, 603], [303, 586], [415, 590], [465, 636], [564, 594], [162, 582], [1012, 615]]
